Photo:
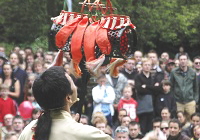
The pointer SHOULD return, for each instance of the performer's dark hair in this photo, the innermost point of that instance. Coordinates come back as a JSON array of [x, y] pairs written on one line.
[[50, 91]]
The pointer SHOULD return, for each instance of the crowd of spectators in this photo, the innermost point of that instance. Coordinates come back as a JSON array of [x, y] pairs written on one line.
[[150, 98]]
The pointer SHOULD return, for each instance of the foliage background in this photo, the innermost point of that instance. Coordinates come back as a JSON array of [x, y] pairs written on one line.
[[161, 25]]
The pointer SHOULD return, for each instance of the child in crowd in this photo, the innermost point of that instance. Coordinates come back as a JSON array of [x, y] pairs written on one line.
[[103, 96], [165, 99], [128, 103], [7, 105], [31, 99]]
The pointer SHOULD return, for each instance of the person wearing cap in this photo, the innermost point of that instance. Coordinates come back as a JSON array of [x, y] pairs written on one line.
[[169, 67], [3, 59], [55, 92]]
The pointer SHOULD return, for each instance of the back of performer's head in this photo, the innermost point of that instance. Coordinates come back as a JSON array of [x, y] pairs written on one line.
[[50, 91], [51, 88]]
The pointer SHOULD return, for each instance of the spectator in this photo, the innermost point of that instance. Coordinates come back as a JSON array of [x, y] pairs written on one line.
[[134, 131], [29, 59], [28, 50], [175, 131], [125, 121], [122, 112], [196, 65], [122, 133], [2, 49], [195, 120], [19, 74], [138, 57], [11, 136], [3, 59], [36, 113], [38, 67], [9, 79], [8, 125], [176, 61], [165, 56], [29, 69], [185, 87], [129, 70], [128, 103], [183, 119], [169, 67], [103, 96], [181, 52], [16, 49], [7, 105], [145, 92], [165, 114], [100, 122], [84, 119], [39, 56], [196, 132], [18, 124], [48, 58], [164, 127], [156, 123], [165, 99], [156, 72]]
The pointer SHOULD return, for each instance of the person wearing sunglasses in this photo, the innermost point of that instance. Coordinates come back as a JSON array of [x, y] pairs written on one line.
[[122, 133], [164, 127]]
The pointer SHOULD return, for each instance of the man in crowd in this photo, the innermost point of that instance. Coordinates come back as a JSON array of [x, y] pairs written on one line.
[[8, 125], [138, 57], [134, 131], [18, 124], [185, 86], [121, 133]]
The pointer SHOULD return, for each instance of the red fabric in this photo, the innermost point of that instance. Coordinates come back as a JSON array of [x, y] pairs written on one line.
[[65, 32], [7, 107], [102, 39], [130, 106], [89, 41], [77, 40]]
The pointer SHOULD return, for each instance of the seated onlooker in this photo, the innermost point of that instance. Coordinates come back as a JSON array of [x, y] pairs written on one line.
[[175, 131], [196, 132], [8, 125], [165, 99], [156, 123], [84, 119], [122, 132], [122, 112], [164, 127], [165, 114], [36, 113], [125, 121], [18, 124], [183, 120], [11, 136], [7, 105], [195, 120], [128, 103], [134, 131]]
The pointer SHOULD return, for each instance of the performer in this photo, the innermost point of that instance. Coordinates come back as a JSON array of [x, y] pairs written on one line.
[[55, 92]]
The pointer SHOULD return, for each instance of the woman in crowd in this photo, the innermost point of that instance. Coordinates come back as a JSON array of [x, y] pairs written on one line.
[[8, 78], [183, 120]]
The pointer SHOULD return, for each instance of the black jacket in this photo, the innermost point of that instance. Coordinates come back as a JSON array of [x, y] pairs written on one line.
[[165, 100]]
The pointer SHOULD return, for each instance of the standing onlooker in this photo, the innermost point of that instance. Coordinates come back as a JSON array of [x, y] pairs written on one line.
[[185, 86], [145, 92], [103, 96], [128, 103], [7, 105], [138, 57], [181, 52], [165, 99], [19, 74], [3, 59], [129, 70], [9, 79], [196, 65]]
